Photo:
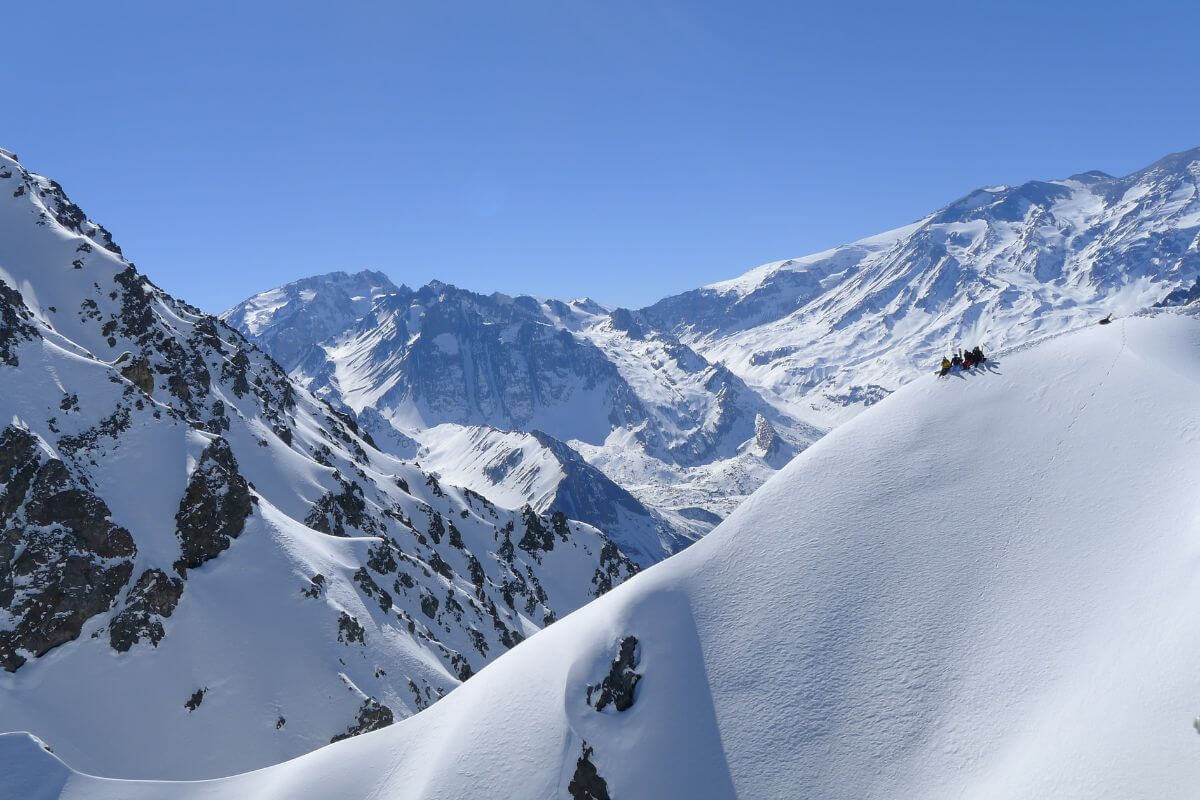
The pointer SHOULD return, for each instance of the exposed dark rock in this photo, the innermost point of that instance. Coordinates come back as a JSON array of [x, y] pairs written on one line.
[[15, 324], [437, 527], [429, 604], [152, 598], [380, 559], [350, 630], [335, 511], [622, 320], [439, 565], [613, 566], [372, 715], [586, 783], [620, 684], [139, 374], [195, 700], [316, 584], [62, 561], [372, 589], [538, 538], [214, 507]]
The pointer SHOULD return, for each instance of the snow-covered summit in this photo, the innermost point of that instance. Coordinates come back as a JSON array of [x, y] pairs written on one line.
[[979, 588], [830, 333], [655, 416]]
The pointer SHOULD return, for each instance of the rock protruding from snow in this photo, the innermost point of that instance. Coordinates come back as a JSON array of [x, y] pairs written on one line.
[[620, 684], [62, 560], [214, 507], [152, 599]]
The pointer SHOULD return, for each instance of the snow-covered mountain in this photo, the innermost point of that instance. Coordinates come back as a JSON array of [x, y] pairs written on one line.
[[203, 567], [833, 332], [691, 403], [982, 587], [685, 436]]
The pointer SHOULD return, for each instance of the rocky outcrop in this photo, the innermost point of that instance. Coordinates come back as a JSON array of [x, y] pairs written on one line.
[[372, 715], [614, 567], [152, 598], [62, 560], [586, 783], [214, 507], [335, 512], [620, 684], [138, 373], [15, 324]]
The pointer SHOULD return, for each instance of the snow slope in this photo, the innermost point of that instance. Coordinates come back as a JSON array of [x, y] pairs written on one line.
[[828, 334], [982, 587], [203, 567]]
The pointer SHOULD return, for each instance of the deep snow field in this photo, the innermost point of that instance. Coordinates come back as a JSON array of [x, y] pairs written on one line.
[[984, 586]]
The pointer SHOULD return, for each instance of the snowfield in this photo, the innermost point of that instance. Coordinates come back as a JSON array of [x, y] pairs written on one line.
[[981, 587]]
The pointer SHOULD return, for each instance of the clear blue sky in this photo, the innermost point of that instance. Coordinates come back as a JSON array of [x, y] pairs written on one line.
[[624, 149]]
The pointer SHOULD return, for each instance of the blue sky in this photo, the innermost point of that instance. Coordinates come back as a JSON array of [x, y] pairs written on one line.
[[625, 149]]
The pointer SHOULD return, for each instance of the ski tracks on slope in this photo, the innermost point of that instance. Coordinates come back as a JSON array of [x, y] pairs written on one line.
[[1018, 529], [1083, 406]]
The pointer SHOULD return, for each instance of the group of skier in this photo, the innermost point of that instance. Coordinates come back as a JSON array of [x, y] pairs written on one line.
[[963, 359]]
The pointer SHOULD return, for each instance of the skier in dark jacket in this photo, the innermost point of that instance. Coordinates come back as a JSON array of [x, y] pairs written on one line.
[[957, 360], [977, 354]]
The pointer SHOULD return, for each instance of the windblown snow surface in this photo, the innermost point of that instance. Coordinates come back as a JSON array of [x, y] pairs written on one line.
[[983, 586]]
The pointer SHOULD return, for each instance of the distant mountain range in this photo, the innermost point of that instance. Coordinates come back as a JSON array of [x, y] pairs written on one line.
[[689, 404]]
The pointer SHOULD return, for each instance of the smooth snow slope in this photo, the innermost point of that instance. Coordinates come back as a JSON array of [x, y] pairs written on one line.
[[982, 587]]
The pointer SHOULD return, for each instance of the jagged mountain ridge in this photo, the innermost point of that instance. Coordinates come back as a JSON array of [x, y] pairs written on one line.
[[656, 417], [230, 558], [833, 332], [698, 382]]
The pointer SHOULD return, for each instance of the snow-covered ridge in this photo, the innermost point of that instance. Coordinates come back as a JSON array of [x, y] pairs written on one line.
[[830, 333], [228, 557], [649, 412], [985, 593]]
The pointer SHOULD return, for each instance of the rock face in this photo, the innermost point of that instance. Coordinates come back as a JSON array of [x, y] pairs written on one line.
[[14, 324], [152, 598], [139, 374], [213, 511], [619, 686], [372, 715], [62, 560], [586, 783]]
